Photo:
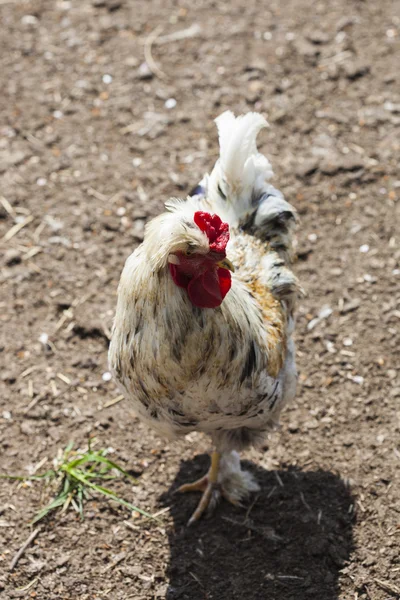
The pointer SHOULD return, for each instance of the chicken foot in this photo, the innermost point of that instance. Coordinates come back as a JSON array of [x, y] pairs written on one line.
[[208, 484]]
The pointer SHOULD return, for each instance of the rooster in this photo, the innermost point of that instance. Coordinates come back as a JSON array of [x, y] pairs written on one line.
[[202, 337]]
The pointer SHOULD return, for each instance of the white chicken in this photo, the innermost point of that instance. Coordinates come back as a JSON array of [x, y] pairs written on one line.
[[200, 345]]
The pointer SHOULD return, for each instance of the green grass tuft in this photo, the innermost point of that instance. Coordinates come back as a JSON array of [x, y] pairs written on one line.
[[78, 474]]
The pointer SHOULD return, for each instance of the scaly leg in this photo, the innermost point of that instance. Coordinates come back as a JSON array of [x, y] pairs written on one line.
[[206, 484], [225, 478]]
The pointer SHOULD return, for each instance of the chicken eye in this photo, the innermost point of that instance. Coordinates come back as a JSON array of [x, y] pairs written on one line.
[[188, 252]]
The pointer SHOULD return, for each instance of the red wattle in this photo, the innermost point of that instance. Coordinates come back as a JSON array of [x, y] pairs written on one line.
[[209, 289], [225, 281], [179, 278]]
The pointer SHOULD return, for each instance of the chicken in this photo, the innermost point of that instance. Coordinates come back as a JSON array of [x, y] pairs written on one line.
[[202, 337]]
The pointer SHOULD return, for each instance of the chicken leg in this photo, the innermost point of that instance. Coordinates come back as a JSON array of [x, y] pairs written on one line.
[[208, 484]]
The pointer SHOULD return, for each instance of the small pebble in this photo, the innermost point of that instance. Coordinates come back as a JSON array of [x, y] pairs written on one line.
[[44, 338], [313, 237], [364, 248], [170, 103], [106, 376], [41, 181], [347, 342], [57, 114], [145, 72], [137, 162], [355, 228], [29, 20], [107, 78]]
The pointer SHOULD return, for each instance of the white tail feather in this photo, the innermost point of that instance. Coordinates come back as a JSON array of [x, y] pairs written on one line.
[[237, 138], [241, 171]]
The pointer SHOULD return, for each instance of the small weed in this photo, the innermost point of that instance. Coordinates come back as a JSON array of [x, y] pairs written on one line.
[[77, 474]]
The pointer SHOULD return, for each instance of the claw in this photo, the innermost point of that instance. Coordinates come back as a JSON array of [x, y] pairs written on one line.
[[203, 504], [197, 486]]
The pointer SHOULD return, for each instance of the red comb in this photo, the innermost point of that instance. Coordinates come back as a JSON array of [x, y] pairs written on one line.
[[216, 231]]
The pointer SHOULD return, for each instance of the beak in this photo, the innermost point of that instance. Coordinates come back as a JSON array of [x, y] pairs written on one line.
[[226, 264]]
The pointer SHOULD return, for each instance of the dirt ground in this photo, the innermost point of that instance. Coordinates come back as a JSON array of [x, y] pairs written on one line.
[[91, 144]]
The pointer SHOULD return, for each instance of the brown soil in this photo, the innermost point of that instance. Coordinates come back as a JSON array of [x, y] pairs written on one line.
[[326, 524]]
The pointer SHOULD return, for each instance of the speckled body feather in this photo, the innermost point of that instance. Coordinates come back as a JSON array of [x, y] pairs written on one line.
[[227, 371]]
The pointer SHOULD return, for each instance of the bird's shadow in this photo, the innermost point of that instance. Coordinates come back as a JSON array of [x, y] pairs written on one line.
[[289, 543]]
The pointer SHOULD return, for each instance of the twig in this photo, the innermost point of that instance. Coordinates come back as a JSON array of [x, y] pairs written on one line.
[[196, 579], [38, 231], [6, 205], [34, 140], [183, 34], [64, 378], [304, 502], [131, 526], [388, 587], [92, 192], [32, 252], [250, 508], [119, 558], [16, 228], [29, 585], [68, 314], [24, 546], [39, 465], [340, 57], [34, 401], [22, 210], [148, 55], [159, 512], [30, 370], [34, 268], [113, 401]]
